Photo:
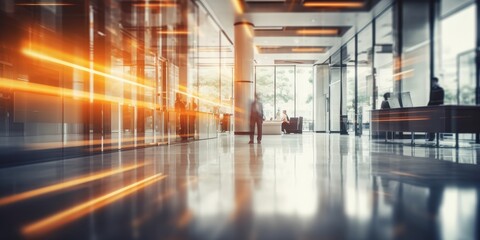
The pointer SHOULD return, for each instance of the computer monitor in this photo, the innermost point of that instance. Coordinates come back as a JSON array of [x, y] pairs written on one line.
[[393, 102], [406, 100]]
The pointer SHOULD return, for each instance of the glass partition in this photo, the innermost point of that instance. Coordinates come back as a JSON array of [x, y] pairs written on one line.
[[364, 80], [304, 95], [348, 81], [265, 88], [456, 64], [383, 56], [285, 89]]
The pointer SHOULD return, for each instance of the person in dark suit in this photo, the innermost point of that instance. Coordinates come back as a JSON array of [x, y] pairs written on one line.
[[385, 104], [437, 95], [256, 117]]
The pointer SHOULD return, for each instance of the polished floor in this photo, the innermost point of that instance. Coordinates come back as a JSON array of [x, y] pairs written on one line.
[[310, 186]]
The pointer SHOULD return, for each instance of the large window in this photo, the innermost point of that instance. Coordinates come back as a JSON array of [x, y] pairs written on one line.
[[208, 62], [348, 81], [364, 79], [456, 67], [383, 56], [304, 95], [265, 88], [287, 88], [285, 85]]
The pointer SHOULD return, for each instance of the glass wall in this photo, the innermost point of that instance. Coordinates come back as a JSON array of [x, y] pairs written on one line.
[[336, 106], [383, 56], [364, 80], [304, 97], [106, 75], [348, 82], [456, 50], [414, 74], [208, 62], [265, 88], [287, 88]]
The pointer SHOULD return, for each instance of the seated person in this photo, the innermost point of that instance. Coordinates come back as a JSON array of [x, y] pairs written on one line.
[[285, 121]]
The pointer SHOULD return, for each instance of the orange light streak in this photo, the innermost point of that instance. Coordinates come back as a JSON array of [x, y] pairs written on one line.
[[45, 89], [59, 219], [178, 32], [238, 6], [38, 55], [64, 185], [306, 50], [334, 4], [317, 31], [202, 99]]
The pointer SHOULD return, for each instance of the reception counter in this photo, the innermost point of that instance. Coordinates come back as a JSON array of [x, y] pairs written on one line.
[[429, 119]]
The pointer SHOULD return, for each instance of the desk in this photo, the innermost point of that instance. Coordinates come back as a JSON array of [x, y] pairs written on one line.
[[271, 128], [436, 119]]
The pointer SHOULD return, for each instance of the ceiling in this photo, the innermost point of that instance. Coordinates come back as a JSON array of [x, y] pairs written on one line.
[[295, 31]]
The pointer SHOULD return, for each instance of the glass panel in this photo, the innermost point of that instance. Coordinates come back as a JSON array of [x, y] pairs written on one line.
[[457, 65], [264, 87], [415, 66], [227, 75], [348, 68], [304, 101], [365, 80], [209, 63], [285, 80], [335, 93], [383, 56]]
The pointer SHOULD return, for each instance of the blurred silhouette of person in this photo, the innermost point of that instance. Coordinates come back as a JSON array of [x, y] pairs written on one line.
[[256, 117], [180, 107], [285, 121], [385, 104], [192, 117], [437, 95], [278, 115]]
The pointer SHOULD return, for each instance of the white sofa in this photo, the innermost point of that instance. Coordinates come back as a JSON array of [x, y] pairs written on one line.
[[271, 128]]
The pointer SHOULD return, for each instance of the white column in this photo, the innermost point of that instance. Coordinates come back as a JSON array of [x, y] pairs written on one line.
[[244, 81]]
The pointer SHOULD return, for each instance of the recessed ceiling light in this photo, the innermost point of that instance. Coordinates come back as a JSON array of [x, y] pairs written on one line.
[[350, 4], [317, 31]]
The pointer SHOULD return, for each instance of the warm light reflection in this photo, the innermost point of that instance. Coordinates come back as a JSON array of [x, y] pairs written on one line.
[[64, 185], [317, 31], [47, 57], [238, 6], [334, 4], [306, 50], [173, 32], [65, 92], [248, 30], [59, 219]]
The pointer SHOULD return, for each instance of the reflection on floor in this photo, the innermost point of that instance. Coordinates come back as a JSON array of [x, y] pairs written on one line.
[[310, 186]]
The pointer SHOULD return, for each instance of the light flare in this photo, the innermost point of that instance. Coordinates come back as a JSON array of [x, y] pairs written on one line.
[[45, 57], [59, 219], [334, 4], [238, 6], [317, 31], [64, 185]]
